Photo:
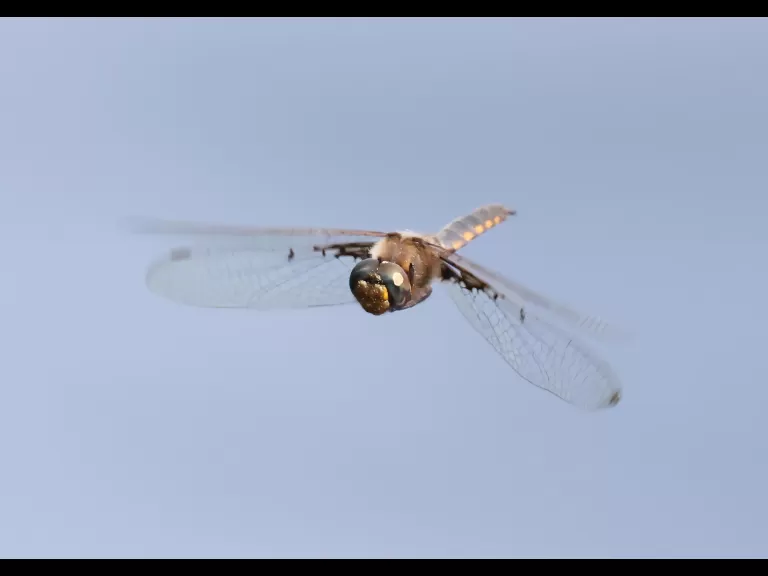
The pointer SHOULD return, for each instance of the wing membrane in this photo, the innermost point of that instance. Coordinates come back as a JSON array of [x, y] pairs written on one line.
[[540, 352], [257, 268], [257, 237], [541, 305], [245, 278], [535, 335]]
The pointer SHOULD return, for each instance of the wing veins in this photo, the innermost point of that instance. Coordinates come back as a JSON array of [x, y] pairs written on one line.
[[542, 353], [245, 277], [528, 298]]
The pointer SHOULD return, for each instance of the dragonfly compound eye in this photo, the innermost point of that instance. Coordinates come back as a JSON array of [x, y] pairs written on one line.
[[379, 287], [397, 283]]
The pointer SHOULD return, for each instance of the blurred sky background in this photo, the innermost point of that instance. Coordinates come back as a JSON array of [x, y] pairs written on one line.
[[635, 153]]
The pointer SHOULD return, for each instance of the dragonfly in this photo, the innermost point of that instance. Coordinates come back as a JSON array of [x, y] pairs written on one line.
[[383, 272]]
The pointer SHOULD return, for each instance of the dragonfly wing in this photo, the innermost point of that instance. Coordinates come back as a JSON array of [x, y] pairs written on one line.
[[541, 305], [262, 238], [218, 278], [258, 268], [535, 335], [540, 352]]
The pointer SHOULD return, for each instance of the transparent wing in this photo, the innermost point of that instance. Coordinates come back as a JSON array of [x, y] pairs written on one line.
[[244, 278], [540, 305], [253, 236], [540, 352], [535, 335], [258, 268]]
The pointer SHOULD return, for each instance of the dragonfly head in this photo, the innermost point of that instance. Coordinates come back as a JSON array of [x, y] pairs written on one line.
[[379, 287]]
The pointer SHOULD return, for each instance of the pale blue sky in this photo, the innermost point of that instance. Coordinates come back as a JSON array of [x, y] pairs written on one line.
[[635, 153]]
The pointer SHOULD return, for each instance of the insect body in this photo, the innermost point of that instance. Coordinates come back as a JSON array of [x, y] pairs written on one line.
[[268, 268]]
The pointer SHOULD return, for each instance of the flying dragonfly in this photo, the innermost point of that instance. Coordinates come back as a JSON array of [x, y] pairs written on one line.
[[383, 272]]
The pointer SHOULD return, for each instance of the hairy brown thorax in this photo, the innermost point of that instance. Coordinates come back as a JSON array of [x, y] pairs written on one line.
[[411, 253]]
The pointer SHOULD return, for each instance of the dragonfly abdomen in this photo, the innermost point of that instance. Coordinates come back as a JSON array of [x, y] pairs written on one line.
[[464, 229]]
